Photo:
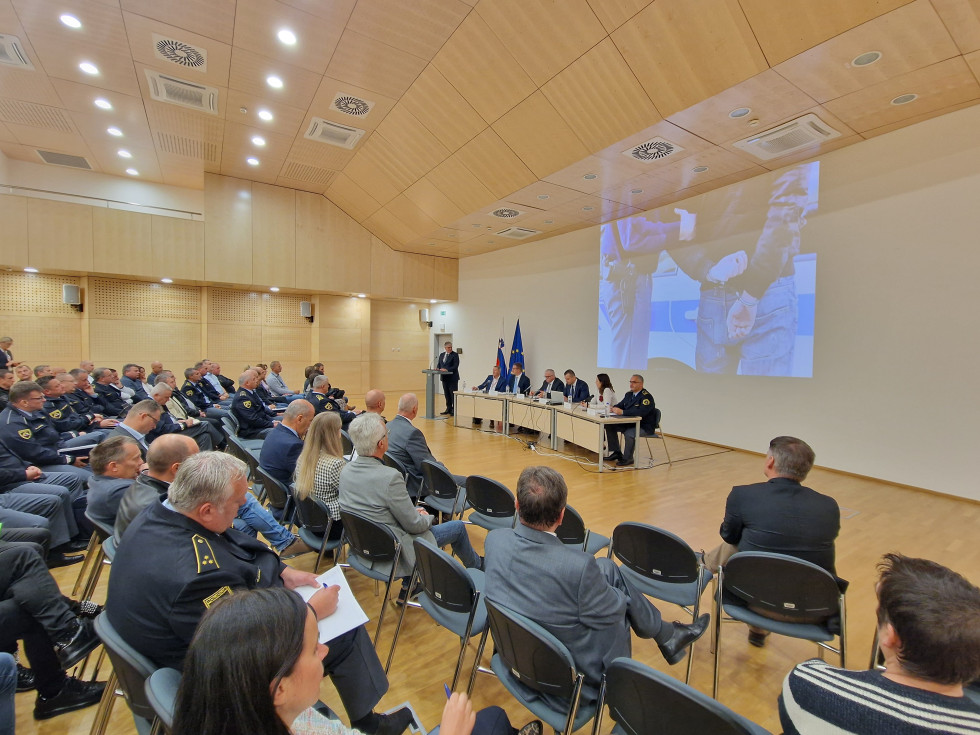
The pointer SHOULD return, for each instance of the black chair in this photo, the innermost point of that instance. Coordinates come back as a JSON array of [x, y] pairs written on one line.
[[231, 426], [572, 532], [395, 464], [278, 495], [451, 595], [372, 544], [130, 670], [493, 503], [530, 662], [439, 490], [347, 444], [644, 700], [663, 566], [95, 559], [315, 524], [161, 692], [805, 596], [657, 434]]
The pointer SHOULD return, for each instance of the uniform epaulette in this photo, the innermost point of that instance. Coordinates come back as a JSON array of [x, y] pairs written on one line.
[[203, 553]]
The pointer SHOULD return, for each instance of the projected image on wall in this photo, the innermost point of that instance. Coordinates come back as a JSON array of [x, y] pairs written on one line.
[[721, 283]]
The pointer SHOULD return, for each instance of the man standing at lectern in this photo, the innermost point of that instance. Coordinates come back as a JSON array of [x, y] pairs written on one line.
[[449, 366]]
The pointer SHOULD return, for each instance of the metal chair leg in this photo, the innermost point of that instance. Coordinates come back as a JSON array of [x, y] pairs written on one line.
[[101, 719], [93, 544]]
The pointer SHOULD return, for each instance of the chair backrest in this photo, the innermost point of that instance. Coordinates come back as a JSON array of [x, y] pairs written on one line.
[[394, 464], [161, 692], [277, 492], [102, 531], [346, 443], [644, 700], [235, 423], [131, 667], [656, 418], [533, 655], [438, 481], [443, 578], [489, 497], [228, 427], [311, 513], [370, 540], [572, 528], [236, 448], [795, 589], [655, 553]]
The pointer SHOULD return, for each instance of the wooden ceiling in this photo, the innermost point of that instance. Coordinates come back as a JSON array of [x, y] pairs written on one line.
[[477, 105]]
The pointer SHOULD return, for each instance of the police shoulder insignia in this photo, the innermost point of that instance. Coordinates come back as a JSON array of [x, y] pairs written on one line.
[[189, 391], [646, 401], [203, 554], [211, 599], [247, 404], [25, 434], [56, 414]]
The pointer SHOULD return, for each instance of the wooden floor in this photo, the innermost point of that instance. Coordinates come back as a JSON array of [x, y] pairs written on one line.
[[686, 498]]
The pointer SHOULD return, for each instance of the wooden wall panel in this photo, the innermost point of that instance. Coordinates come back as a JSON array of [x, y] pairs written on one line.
[[60, 235], [234, 346], [227, 229], [289, 345], [347, 376], [28, 300], [13, 215], [395, 371], [417, 279], [178, 248], [341, 312], [396, 315], [398, 377], [445, 279], [176, 344], [340, 345], [273, 235], [386, 270], [333, 252], [121, 242], [399, 345]]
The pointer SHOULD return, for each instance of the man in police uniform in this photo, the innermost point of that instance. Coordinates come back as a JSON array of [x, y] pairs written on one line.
[[107, 393], [322, 402], [61, 413], [254, 418], [638, 402], [84, 397], [177, 558], [194, 391]]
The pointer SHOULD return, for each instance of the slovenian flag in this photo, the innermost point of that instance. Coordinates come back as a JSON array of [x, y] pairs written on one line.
[[501, 362]]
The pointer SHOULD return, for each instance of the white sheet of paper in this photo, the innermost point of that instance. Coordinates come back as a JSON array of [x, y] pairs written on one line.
[[349, 613]]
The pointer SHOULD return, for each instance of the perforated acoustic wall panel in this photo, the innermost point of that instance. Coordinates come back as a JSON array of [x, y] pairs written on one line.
[[44, 329], [112, 299]]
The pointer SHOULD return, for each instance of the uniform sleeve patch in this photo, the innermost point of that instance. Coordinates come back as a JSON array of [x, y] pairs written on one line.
[[646, 401], [247, 404], [203, 553], [190, 392], [211, 599], [56, 414], [25, 434]]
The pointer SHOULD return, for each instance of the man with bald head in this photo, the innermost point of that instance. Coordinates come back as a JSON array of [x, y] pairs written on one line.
[[407, 444], [255, 420], [374, 402], [156, 367]]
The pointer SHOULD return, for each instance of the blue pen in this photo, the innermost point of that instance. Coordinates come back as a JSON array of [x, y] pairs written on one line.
[[449, 694]]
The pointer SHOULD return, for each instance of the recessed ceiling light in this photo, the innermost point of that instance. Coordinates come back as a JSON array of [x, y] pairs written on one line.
[[636, 191], [739, 112], [433, 301], [114, 131], [123, 153], [30, 270], [132, 172], [904, 99], [549, 222], [252, 161], [699, 169], [71, 21], [166, 280], [865, 59], [103, 103], [362, 295], [590, 177], [265, 115], [88, 67], [274, 289], [274, 81], [544, 196], [258, 140], [287, 37], [587, 209], [477, 224]]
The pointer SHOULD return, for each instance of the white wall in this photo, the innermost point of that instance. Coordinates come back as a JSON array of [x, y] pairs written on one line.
[[897, 349]]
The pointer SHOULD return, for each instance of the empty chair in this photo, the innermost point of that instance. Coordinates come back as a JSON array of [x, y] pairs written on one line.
[[806, 597], [657, 434], [130, 670], [451, 595], [573, 532], [229, 423], [278, 495], [440, 491], [493, 503], [536, 668], [347, 444], [315, 524], [644, 700], [372, 545], [161, 693], [663, 566]]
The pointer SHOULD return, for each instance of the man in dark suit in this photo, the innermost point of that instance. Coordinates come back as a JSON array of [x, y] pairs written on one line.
[[107, 393], [638, 402], [494, 381], [6, 357], [449, 365], [584, 602], [551, 382], [115, 465], [518, 381], [407, 444], [575, 389], [131, 380], [282, 446]]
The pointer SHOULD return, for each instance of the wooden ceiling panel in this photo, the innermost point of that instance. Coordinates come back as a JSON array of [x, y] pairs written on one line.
[[442, 110], [539, 136], [135, 131], [215, 19], [61, 60], [962, 19], [102, 26], [493, 163], [386, 226], [916, 119], [320, 154], [599, 98], [302, 184], [27, 86], [684, 52], [144, 160], [286, 120], [681, 175], [601, 173], [181, 171], [528, 31], [460, 185], [351, 198], [769, 97], [688, 142], [331, 88], [375, 170], [48, 139], [613, 13], [450, 235], [595, 209], [186, 133], [938, 86], [639, 193], [237, 140], [436, 205], [973, 61], [249, 72], [786, 29], [81, 98], [411, 215], [420, 27], [543, 195], [909, 38], [411, 144], [256, 26], [266, 172], [142, 44], [374, 65], [490, 88], [18, 152]]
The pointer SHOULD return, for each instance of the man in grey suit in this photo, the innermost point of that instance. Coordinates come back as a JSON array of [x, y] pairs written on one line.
[[407, 444], [584, 602], [141, 419], [372, 489]]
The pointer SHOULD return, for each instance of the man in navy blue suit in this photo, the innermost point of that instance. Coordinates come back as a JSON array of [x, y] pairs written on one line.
[[282, 446], [449, 366], [518, 382], [576, 389]]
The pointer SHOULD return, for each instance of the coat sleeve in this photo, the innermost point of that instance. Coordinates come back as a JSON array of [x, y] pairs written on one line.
[[403, 509], [732, 525]]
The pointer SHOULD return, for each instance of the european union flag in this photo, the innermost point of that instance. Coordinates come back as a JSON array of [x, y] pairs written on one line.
[[516, 349], [501, 362]]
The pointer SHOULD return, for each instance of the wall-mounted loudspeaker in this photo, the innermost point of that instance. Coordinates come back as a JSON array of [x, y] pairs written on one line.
[[71, 295], [424, 317], [306, 310]]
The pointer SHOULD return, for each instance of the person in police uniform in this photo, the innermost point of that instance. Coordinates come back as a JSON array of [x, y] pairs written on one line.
[[323, 402], [638, 402], [254, 418], [26, 433], [179, 557], [193, 390], [62, 415], [84, 397]]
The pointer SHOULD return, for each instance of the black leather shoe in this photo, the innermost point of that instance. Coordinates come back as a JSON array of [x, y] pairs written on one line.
[[75, 694], [395, 723], [624, 462], [73, 546], [56, 559], [81, 643], [612, 457], [25, 679], [675, 649], [444, 413]]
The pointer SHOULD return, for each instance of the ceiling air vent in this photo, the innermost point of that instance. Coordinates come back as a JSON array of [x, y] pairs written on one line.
[[175, 91], [788, 137], [180, 53], [351, 105], [12, 53], [64, 159], [518, 233], [342, 136], [655, 149], [505, 213]]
